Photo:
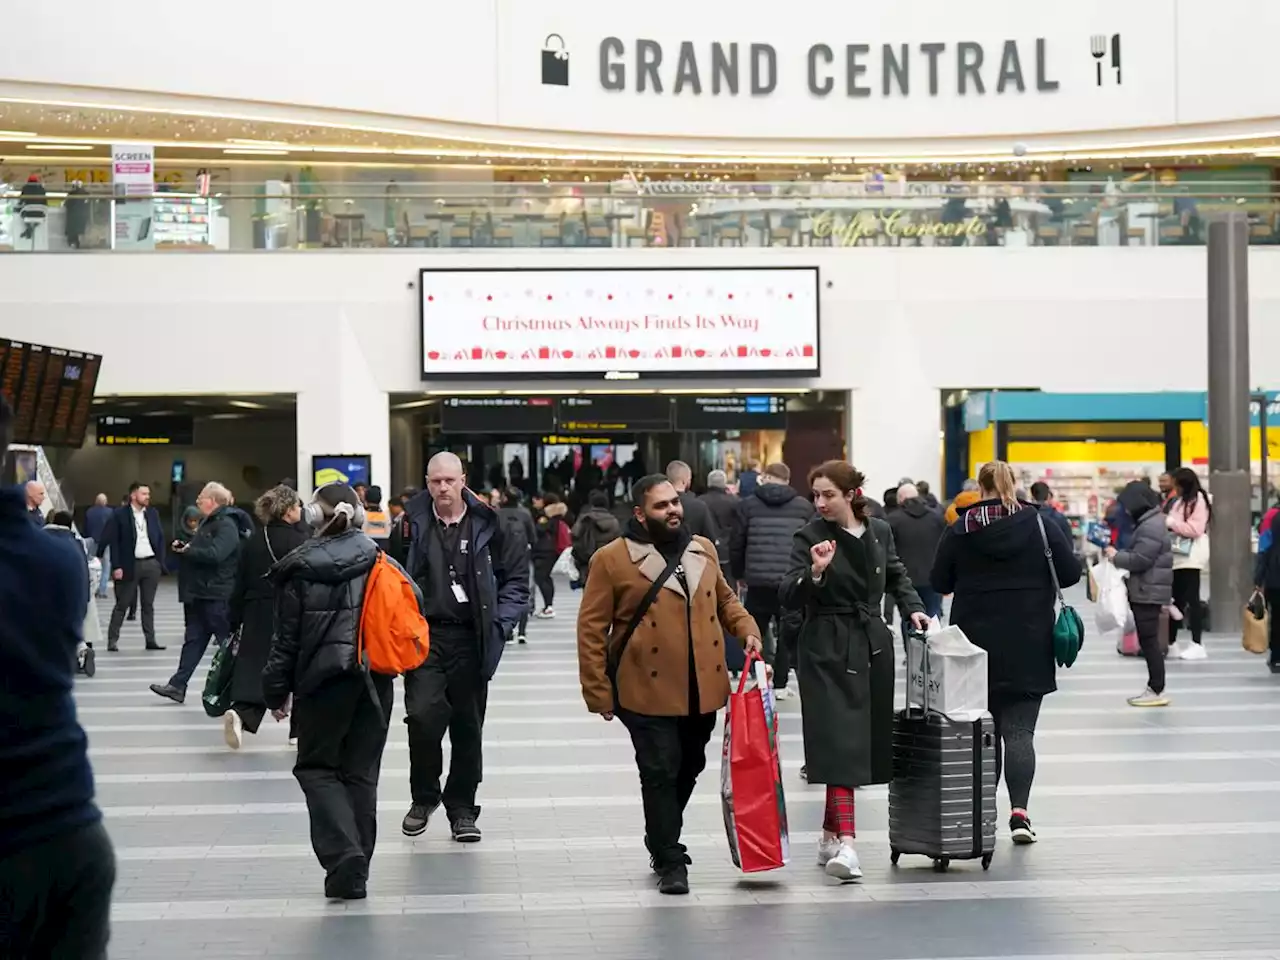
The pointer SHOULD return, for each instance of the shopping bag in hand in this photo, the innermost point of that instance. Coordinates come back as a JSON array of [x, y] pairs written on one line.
[[755, 811], [217, 685], [1113, 597], [1256, 637]]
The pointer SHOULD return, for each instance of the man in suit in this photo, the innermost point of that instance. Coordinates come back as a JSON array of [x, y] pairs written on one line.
[[136, 542]]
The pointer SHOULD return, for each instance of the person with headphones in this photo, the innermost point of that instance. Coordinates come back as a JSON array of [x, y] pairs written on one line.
[[313, 666]]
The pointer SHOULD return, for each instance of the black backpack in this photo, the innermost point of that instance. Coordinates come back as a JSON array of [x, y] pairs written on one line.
[[592, 537]]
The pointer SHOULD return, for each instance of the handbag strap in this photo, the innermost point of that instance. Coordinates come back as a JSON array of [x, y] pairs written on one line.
[[1048, 555], [645, 604]]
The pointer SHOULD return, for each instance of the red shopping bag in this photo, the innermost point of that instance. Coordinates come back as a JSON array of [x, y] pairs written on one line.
[[755, 811]]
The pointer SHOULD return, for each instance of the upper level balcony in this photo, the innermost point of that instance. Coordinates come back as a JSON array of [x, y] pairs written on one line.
[[289, 214]]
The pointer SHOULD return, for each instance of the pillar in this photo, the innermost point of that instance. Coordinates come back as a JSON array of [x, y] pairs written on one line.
[[1230, 477], [895, 430], [345, 412], [407, 468]]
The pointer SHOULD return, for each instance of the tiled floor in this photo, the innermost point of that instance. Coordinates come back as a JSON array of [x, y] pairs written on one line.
[[1159, 835]]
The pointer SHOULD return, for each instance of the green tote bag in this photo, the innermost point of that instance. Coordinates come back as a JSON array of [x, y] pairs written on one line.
[[1068, 628]]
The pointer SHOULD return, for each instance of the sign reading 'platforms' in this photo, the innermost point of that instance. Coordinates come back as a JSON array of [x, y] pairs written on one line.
[[620, 323]]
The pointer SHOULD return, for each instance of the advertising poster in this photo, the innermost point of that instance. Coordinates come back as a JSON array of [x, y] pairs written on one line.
[[348, 468], [721, 321], [133, 177]]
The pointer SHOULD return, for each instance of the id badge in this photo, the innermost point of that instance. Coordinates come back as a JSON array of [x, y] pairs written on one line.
[[459, 592]]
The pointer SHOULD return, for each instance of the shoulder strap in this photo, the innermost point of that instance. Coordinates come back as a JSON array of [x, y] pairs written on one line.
[[645, 604], [267, 540], [1048, 555]]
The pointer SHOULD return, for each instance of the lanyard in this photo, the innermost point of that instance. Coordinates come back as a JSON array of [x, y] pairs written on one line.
[[454, 554]]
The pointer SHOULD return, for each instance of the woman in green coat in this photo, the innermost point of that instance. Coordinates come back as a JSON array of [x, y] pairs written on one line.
[[842, 565]]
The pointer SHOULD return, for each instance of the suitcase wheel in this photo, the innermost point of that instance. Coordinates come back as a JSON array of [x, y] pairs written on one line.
[[894, 855], [942, 864], [986, 861]]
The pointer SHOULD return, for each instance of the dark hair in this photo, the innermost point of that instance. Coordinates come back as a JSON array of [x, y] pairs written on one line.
[[1040, 492], [1187, 482], [511, 496], [923, 487], [408, 493], [641, 487], [549, 496], [62, 519], [597, 498], [6, 425], [373, 496], [891, 497], [136, 486], [847, 479], [330, 495]]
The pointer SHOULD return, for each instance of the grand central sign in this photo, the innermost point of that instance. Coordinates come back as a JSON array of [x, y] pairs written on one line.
[[855, 70]]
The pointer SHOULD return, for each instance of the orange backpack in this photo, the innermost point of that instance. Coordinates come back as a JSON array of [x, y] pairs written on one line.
[[393, 633]]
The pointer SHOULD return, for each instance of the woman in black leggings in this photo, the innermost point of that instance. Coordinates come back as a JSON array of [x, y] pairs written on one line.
[[548, 516], [992, 560], [1188, 516]]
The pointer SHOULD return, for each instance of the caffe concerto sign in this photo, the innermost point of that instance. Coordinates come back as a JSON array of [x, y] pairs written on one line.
[[848, 231], [964, 68]]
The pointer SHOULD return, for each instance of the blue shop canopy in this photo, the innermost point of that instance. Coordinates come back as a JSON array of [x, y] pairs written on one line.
[[1033, 406]]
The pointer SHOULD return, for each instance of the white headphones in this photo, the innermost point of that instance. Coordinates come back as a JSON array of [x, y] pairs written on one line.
[[313, 514]]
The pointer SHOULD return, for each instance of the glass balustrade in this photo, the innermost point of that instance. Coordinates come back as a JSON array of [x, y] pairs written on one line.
[[695, 213]]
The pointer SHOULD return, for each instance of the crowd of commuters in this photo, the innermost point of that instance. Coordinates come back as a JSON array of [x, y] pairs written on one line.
[[676, 588]]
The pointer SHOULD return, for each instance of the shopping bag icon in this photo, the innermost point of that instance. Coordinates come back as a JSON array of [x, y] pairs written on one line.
[[555, 62]]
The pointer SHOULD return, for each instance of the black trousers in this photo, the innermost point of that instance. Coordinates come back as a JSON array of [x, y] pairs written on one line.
[[447, 693], [55, 898], [779, 632], [1273, 605], [145, 582], [542, 579], [1146, 618], [1186, 597], [670, 753], [341, 735]]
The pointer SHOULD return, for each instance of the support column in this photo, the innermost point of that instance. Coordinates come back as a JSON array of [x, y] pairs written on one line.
[[894, 431], [348, 415], [407, 468], [1229, 467]]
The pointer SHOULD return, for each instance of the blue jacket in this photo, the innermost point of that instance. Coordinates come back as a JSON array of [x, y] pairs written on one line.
[[120, 536], [95, 522], [46, 784], [499, 566]]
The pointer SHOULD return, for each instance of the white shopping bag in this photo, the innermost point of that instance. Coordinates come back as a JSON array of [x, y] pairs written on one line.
[[565, 565], [947, 674], [1113, 598]]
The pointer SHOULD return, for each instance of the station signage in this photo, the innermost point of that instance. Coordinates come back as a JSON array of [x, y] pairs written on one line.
[[619, 323], [733, 411], [498, 415], [144, 431], [50, 390]]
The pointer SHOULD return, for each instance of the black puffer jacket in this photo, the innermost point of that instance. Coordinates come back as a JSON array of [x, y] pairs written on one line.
[[319, 596], [917, 528], [213, 555], [760, 548]]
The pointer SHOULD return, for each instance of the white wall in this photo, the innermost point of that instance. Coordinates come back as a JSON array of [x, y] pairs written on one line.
[[477, 65], [898, 326]]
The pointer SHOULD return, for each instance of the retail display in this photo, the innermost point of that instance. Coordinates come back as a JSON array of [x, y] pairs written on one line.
[[182, 220]]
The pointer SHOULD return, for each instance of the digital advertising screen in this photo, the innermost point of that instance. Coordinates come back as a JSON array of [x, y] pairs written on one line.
[[345, 468], [619, 323]]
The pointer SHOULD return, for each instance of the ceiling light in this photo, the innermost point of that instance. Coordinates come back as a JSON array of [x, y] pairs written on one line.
[[228, 416], [59, 146], [258, 153], [247, 404], [258, 143], [413, 404], [18, 133]]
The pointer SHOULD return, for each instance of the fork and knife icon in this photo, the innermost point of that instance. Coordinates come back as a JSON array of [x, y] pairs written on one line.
[[1098, 47]]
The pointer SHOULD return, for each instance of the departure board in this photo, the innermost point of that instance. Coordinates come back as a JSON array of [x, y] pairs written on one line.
[[497, 415], [51, 391]]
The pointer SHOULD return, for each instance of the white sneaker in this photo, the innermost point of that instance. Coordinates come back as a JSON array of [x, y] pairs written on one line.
[[546, 614], [1179, 649], [1149, 699], [781, 693], [293, 741], [1195, 651], [233, 729], [844, 865], [828, 850]]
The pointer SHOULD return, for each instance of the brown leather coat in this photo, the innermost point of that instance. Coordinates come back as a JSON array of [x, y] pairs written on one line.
[[653, 676]]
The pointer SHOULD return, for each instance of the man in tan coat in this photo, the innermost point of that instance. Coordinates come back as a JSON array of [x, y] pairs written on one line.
[[670, 669]]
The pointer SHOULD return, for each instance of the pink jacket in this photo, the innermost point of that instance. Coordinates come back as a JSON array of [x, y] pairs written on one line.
[[1193, 526]]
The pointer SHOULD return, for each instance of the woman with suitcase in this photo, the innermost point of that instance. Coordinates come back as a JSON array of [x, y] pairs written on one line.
[[993, 562], [843, 563]]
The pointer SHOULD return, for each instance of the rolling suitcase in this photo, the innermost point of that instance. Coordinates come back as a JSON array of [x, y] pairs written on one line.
[[942, 798]]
